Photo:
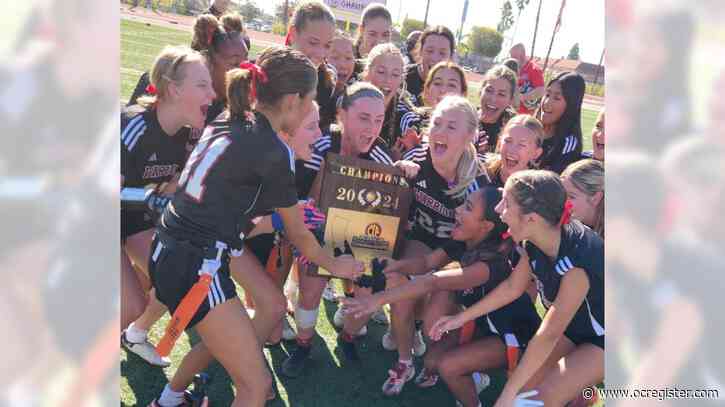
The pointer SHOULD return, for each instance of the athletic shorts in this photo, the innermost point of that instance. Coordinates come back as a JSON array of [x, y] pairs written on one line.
[[579, 339], [174, 268], [516, 323], [133, 222]]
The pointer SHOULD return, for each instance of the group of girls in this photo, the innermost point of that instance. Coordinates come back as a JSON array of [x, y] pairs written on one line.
[[487, 195]]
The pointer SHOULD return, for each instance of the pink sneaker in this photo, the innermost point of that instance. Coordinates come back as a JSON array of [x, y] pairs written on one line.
[[397, 377]]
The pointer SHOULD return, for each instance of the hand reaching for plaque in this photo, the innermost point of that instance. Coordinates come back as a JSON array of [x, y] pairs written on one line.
[[345, 264], [347, 267], [409, 168], [359, 307]]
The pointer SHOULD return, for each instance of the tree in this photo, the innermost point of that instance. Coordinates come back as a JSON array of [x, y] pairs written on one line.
[[574, 52], [507, 17], [250, 11], [485, 41], [410, 25], [279, 10]]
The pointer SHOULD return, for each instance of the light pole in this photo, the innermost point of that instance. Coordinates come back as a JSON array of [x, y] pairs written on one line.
[[425, 20]]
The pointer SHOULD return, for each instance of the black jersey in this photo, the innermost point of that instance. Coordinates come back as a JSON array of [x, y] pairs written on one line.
[[399, 106], [557, 161], [149, 156], [580, 247], [417, 120], [238, 170], [332, 143], [488, 132], [432, 212], [414, 83]]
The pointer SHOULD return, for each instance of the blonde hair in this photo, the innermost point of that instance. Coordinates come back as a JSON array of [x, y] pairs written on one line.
[[588, 177], [168, 67], [493, 165], [469, 166], [386, 48]]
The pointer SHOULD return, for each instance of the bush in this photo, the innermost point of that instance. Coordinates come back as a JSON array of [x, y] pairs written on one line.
[[279, 29]]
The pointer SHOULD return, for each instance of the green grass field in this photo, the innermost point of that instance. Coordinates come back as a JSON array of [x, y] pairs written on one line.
[[329, 381]]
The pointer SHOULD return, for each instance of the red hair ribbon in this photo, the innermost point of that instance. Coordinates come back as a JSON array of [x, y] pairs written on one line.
[[288, 40], [258, 74], [566, 215], [151, 89]]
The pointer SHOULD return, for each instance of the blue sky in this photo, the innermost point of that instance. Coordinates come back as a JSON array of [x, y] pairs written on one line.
[[582, 22]]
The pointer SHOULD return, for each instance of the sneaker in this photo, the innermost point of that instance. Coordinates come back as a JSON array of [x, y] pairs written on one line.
[[389, 342], [296, 362], [380, 317], [339, 321], [482, 381], [419, 346], [426, 379], [329, 292], [288, 334], [397, 377], [146, 351], [348, 349]]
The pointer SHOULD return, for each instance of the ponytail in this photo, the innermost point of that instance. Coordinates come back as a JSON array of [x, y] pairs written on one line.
[[278, 72], [239, 93]]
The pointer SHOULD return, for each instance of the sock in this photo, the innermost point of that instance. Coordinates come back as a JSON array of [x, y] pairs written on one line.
[[136, 335], [170, 398]]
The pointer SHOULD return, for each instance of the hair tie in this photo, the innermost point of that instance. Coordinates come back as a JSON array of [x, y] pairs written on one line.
[[258, 74], [287, 40], [566, 215], [151, 89]]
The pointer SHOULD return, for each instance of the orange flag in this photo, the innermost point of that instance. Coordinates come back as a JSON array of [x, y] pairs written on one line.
[[183, 314]]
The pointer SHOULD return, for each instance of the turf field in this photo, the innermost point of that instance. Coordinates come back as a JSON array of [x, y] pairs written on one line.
[[329, 381]]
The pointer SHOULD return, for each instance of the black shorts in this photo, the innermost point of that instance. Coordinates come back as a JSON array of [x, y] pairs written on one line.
[[580, 339], [133, 222], [174, 268], [516, 323]]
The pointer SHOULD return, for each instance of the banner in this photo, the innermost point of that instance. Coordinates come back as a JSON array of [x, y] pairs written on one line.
[[366, 204], [350, 10]]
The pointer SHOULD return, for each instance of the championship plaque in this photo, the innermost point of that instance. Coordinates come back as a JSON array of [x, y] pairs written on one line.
[[366, 204]]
